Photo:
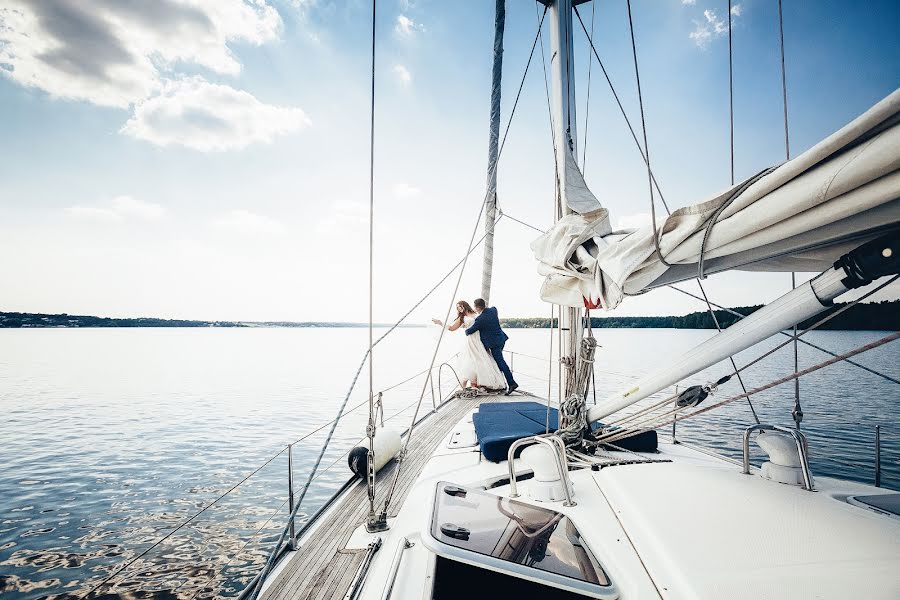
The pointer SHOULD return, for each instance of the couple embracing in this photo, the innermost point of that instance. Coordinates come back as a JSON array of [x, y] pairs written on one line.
[[482, 364]]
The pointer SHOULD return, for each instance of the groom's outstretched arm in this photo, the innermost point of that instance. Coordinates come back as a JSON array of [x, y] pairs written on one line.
[[476, 326]]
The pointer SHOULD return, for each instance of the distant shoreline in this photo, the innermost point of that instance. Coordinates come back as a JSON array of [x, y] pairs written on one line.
[[883, 316]]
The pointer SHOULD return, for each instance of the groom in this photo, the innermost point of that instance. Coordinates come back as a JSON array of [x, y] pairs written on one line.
[[493, 339]]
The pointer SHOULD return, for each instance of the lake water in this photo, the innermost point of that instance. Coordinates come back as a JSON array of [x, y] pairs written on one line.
[[110, 438]]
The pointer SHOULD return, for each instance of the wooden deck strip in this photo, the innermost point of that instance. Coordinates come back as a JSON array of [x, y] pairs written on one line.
[[321, 569]]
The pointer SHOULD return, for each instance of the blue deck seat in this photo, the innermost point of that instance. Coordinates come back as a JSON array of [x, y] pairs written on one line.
[[499, 425]]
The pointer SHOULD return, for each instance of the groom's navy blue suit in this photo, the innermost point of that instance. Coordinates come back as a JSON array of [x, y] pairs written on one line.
[[493, 338]]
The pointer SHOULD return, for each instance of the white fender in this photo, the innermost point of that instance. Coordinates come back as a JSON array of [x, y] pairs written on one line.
[[386, 446]]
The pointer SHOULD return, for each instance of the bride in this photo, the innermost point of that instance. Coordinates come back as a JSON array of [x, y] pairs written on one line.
[[477, 366]]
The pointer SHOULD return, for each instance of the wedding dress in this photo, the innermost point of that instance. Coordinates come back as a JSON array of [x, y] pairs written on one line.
[[476, 363]]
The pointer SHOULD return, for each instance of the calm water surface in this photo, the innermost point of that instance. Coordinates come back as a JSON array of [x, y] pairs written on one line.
[[112, 437]]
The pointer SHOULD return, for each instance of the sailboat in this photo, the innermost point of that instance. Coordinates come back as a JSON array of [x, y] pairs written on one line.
[[496, 496]]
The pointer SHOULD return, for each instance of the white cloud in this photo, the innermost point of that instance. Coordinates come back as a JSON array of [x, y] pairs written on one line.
[[406, 27], [689, 2], [210, 117], [94, 213], [713, 26], [635, 221], [245, 222], [139, 209], [115, 52], [345, 216], [405, 191], [403, 75], [118, 209]]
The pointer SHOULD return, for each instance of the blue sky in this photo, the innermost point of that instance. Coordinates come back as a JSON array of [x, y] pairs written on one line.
[[209, 158]]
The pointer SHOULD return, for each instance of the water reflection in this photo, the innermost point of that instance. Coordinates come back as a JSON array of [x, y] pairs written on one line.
[[112, 438]]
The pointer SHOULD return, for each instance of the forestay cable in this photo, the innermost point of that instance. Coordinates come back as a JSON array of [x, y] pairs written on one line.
[[402, 455]]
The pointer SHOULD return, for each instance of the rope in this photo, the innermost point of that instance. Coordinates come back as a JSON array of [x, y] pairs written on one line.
[[520, 222], [621, 108], [637, 77], [179, 527], [746, 394], [737, 373], [587, 101], [271, 560], [880, 342], [802, 341], [401, 456]]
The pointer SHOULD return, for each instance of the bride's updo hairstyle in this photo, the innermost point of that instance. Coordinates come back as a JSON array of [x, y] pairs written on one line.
[[466, 309]]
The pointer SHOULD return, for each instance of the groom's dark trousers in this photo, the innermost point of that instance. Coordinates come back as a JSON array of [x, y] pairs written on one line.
[[493, 338]]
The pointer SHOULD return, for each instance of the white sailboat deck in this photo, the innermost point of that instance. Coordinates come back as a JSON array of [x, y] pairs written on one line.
[[324, 566], [693, 527]]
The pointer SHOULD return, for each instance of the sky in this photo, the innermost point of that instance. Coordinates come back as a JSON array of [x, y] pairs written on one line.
[[209, 159]]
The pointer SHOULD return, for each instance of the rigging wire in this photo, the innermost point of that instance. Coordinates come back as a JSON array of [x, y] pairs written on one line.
[[753, 362], [674, 413], [859, 350], [557, 214], [371, 472], [179, 527], [401, 456], [520, 222], [637, 76], [587, 101], [797, 412], [621, 107], [233, 557], [370, 429], [731, 93], [802, 341]]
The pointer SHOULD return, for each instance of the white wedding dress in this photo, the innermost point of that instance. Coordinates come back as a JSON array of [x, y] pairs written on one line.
[[476, 363]]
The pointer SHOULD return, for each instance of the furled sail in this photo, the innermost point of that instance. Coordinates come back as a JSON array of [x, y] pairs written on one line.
[[799, 216]]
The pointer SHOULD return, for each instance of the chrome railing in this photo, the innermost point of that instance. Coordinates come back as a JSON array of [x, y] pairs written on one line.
[[395, 567], [559, 453], [799, 439]]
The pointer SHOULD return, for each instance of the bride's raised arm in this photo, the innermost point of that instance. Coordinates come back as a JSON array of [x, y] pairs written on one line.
[[453, 326]]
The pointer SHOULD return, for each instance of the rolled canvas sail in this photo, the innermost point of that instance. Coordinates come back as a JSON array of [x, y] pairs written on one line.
[[800, 216]]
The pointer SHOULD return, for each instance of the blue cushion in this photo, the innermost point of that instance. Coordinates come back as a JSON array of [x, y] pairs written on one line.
[[499, 425]]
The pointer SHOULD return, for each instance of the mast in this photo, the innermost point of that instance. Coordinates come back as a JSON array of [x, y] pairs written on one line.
[[490, 207], [562, 75]]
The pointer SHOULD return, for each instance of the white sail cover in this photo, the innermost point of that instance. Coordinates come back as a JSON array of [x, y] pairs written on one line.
[[800, 216]]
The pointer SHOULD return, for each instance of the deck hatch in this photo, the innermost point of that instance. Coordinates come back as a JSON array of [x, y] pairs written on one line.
[[508, 536]]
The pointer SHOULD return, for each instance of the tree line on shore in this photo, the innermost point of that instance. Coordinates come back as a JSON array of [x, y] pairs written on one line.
[[875, 315]]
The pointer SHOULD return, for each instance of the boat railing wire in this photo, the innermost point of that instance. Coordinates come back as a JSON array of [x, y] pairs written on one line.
[[97, 588]]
